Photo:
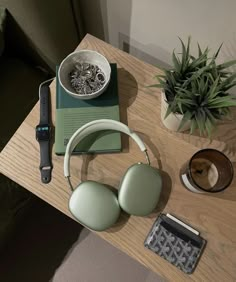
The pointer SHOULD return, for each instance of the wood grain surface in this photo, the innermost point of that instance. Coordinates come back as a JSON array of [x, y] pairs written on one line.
[[214, 216]]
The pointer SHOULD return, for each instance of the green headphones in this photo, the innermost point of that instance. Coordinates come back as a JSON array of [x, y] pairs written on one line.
[[96, 206]]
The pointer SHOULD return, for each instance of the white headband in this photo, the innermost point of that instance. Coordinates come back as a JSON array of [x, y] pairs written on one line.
[[94, 126]]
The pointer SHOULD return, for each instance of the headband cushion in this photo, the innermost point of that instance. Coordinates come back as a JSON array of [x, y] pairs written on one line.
[[94, 205], [140, 189]]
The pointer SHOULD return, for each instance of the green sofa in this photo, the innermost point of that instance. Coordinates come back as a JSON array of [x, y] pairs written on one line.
[[19, 81]]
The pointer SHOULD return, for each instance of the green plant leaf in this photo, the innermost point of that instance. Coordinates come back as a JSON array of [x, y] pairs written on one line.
[[214, 70], [197, 74], [226, 65], [170, 79], [224, 74], [199, 50], [227, 81], [217, 52], [205, 58], [193, 126], [161, 80], [200, 120], [203, 113], [210, 116], [187, 116], [227, 87], [201, 85], [194, 87], [168, 112], [180, 107], [199, 62], [209, 127], [176, 62], [183, 50], [160, 75], [188, 47], [185, 54], [181, 91], [155, 85], [222, 99], [187, 101], [210, 77], [222, 104], [212, 92]]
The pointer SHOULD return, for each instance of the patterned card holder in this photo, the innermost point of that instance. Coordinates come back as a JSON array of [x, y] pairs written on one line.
[[175, 243]]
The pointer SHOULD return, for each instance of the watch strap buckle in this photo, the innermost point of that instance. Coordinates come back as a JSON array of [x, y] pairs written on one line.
[[46, 172]]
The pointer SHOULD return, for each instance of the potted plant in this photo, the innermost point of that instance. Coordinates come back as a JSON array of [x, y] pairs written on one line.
[[195, 91]]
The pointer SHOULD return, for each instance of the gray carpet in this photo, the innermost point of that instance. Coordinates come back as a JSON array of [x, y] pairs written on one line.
[[91, 259]]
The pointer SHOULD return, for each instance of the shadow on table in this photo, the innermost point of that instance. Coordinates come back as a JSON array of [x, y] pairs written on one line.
[[128, 90], [223, 137], [40, 245], [165, 193], [166, 179]]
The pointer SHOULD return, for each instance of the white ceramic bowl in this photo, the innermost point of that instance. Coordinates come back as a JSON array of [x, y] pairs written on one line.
[[84, 56]]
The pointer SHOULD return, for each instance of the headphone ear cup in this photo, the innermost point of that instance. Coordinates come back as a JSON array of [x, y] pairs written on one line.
[[140, 189], [94, 205]]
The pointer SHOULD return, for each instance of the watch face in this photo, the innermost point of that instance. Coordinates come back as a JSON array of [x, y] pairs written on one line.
[[43, 132]]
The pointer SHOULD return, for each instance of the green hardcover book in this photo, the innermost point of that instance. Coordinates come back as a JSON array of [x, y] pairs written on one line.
[[72, 113]]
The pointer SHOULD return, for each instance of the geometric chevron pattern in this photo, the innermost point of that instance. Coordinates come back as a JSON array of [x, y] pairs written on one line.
[[180, 253]]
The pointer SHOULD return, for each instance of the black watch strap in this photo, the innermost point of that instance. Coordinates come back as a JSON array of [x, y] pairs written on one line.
[[45, 162], [44, 104], [45, 152]]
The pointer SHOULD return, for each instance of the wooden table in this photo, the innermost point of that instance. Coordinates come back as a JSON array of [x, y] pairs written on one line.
[[214, 216]]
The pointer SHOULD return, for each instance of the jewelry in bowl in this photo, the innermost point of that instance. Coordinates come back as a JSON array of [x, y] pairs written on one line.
[[84, 74]]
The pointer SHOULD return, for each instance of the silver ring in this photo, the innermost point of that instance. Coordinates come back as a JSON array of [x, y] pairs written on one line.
[[100, 77]]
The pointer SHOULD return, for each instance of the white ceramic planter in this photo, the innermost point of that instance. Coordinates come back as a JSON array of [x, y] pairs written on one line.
[[173, 121]]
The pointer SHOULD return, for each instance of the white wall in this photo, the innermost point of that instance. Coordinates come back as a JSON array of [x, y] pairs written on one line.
[[149, 29]]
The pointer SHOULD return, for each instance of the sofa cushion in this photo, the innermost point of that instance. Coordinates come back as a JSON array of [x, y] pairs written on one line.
[[19, 84], [15, 201], [2, 26]]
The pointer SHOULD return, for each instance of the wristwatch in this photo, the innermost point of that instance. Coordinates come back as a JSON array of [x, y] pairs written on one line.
[[43, 134]]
